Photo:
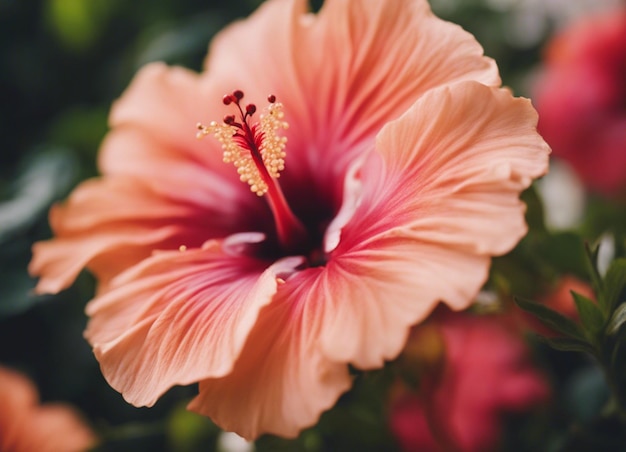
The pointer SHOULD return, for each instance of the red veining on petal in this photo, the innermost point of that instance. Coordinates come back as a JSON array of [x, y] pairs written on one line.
[[258, 153]]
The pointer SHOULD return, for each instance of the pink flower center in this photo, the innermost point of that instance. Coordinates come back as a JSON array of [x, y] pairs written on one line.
[[257, 151]]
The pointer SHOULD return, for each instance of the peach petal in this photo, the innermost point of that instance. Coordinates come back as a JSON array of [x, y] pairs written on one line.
[[275, 26], [373, 294], [379, 79], [281, 381], [112, 200], [106, 216], [110, 224], [153, 138], [352, 189], [59, 261], [439, 197], [363, 78], [453, 168], [166, 103], [175, 305], [172, 175], [358, 309]]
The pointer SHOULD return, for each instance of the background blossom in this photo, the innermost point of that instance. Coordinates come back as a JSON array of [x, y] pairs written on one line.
[[485, 371], [581, 97], [25, 425]]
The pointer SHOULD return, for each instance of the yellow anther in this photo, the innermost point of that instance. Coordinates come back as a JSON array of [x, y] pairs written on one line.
[[273, 146], [235, 139]]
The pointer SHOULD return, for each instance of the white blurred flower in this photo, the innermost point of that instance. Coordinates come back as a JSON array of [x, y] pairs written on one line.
[[563, 197], [232, 442], [606, 253]]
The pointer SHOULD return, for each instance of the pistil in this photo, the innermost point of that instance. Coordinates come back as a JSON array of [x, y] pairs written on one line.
[[257, 151]]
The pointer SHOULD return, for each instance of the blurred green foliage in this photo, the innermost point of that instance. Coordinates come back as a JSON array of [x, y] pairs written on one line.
[[77, 24]]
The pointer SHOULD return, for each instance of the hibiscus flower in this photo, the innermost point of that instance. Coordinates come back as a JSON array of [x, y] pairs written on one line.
[[403, 162], [27, 426], [484, 372], [581, 97]]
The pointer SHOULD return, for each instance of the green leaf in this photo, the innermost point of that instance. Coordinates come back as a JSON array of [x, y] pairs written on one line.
[[568, 344], [552, 319], [596, 279], [614, 283], [187, 431], [534, 210], [176, 42], [586, 393], [617, 319], [78, 23], [590, 314], [618, 358], [564, 251]]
